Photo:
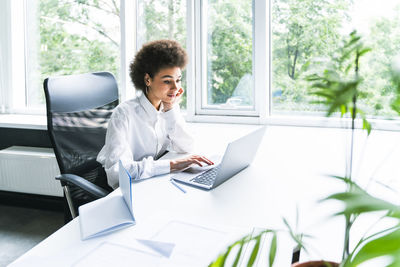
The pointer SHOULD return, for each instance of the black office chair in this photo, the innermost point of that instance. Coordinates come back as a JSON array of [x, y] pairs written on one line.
[[78, 110]]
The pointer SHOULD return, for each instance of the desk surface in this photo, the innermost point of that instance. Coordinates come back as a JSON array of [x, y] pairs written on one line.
[[288, 174]]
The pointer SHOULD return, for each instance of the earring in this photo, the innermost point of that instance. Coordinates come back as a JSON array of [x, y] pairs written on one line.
[[147, 90]]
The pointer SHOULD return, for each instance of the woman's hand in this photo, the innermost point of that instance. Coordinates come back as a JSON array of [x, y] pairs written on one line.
[[175, 100], [180, 164]]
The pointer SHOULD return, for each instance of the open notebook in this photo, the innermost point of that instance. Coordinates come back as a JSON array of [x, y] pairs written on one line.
[[110, 213]]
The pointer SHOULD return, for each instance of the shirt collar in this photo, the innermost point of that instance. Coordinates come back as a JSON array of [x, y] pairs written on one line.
[[148, 107]]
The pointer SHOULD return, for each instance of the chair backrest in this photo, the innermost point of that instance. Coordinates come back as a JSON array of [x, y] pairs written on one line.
[[78, 110]]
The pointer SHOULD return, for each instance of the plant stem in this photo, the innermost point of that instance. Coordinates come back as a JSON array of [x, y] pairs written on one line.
[[349, 219], [346, 249], [353, 119]]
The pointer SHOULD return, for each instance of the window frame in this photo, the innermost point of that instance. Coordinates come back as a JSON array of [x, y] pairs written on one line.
[[5, 51], [17, 57], [128, 45]]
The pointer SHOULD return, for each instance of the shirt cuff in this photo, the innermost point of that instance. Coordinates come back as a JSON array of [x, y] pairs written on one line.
[[171, 115], [161, 167]]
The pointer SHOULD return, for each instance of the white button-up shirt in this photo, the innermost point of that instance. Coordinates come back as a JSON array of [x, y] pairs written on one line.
[[136, 134]]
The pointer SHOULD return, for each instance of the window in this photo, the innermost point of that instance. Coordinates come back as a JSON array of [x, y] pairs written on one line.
[[247, 58], [227, 41], [306, 32], [229, 79], [63, 37]]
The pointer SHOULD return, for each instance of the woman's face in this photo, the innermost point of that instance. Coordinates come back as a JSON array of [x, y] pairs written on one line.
[[165, 86]]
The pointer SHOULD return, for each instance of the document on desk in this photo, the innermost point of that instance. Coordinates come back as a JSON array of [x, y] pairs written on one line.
[[195, 245], [198, 246], [111, 254], [109, 213]]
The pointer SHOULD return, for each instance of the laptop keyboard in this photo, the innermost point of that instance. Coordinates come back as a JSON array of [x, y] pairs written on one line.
[[206, 178]]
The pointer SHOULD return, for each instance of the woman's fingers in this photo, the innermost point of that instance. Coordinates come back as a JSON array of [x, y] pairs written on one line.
[[181, 164], [206, 160], [175, 101], [199, 159], [198, 162], [180, 92]]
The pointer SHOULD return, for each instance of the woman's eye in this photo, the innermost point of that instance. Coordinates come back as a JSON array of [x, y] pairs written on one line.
[[167, 82], [178, 81]]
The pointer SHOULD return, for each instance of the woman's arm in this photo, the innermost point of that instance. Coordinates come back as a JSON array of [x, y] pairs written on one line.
[[118, 147], [175, 127]]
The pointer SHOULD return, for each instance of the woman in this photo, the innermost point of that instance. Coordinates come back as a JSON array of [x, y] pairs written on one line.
[[142, 129]]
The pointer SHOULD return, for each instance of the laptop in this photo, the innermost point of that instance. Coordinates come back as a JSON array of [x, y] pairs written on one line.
[[238, 155]]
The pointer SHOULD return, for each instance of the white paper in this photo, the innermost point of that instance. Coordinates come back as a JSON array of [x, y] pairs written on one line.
[[125, 184], [109, 254], [194, 245], [110, 213]]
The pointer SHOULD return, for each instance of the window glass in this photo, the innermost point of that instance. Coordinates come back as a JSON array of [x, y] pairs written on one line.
[[163, 19], [68, 37], [309, 31], [229, 50]]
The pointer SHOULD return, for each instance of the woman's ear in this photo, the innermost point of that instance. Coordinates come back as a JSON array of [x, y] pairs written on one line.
[[147, 79]]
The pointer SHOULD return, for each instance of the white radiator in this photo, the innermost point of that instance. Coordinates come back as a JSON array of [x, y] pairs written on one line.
[[29, 170]]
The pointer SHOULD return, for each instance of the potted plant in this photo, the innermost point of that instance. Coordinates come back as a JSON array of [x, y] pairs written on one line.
[[337, 88]]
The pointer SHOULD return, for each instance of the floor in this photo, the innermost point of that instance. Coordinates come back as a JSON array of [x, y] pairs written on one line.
[[23, 228]]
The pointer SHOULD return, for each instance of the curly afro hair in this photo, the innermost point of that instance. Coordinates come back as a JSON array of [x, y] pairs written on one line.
[[153, 57]]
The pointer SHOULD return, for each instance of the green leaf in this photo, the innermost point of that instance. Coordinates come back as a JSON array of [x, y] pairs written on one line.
[[387, 245], [364, 51], [348, 68], [396, 261], [239, 253], [295, 237], [396, 105], [321, 85], [321, 93], [367, 126], [354, 39], [254, 253], [313, 77], [220, 261], [272, 249], [357, 201], [343, 110]]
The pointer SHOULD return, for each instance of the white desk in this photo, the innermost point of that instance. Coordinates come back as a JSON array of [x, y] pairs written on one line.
[[288, 171]]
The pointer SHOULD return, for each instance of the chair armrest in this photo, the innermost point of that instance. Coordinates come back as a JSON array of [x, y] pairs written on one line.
[[92, 189]]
